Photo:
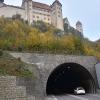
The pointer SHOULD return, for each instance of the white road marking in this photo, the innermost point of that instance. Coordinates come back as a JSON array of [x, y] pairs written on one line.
[[51, 98], [54, 98], [77, 97]]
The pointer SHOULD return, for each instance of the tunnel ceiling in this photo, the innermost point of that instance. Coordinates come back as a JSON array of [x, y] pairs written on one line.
[[66, 77]]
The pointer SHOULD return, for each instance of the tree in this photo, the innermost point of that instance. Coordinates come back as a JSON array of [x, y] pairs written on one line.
[[17, 17], [79, 47], [40, 25]]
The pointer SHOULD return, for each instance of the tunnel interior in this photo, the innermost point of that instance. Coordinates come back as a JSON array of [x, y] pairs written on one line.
[[68, 76]]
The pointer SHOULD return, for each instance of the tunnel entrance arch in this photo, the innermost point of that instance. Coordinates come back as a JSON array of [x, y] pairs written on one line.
[[66, 77]]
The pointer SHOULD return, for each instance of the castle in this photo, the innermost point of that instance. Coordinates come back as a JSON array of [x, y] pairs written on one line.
[[33, 11]]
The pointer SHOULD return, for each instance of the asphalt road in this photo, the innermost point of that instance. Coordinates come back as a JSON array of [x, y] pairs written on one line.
[[75, 97]]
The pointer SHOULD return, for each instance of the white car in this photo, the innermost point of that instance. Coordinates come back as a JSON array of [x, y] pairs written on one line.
[[79, 90]]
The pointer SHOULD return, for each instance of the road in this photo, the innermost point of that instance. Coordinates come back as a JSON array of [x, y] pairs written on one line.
[[75, 97]]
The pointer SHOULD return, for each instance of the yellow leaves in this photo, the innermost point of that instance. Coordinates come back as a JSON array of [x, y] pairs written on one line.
[[67, 41], [89, 50], [18, 34]]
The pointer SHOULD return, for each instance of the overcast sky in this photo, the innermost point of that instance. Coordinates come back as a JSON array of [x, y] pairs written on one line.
[[86, 11]]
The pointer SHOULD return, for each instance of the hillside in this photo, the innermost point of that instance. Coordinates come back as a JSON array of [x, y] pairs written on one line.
[[16, 35], [12, 66]]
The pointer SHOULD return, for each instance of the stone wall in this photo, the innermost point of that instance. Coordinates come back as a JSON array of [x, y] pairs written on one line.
[[17, 88], [10, 91]]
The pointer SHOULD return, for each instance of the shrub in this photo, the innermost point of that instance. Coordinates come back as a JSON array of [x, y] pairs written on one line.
[[20, 49], [1, 52]]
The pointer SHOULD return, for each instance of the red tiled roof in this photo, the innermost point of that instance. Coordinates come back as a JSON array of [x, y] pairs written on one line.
[[41, 6]]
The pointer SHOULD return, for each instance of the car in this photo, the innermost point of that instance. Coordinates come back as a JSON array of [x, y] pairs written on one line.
[[79, 90]]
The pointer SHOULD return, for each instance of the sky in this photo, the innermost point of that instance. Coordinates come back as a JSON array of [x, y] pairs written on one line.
[[86, 11]]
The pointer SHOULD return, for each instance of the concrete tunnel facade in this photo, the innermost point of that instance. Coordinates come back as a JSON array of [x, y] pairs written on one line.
[[55, 71], [68, 76]]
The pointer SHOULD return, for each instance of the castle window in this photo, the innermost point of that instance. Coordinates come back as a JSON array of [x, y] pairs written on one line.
[[58, 15], [59, 12], [37, 16], [54, 13], [30, 5]]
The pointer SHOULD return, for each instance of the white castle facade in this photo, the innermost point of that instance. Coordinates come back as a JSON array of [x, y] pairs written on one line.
[[34, 11]]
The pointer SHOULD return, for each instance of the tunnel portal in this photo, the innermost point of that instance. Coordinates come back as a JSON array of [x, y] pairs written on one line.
[[66, 77]]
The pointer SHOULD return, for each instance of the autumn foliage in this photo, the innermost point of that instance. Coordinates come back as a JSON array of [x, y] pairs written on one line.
[[16, 35]]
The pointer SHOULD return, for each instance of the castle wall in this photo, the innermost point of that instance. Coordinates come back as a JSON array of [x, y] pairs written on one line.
[[43, 15], [79, 28], [1, 4], [29, 9], [57, 18], [8, 11], [54, 16]]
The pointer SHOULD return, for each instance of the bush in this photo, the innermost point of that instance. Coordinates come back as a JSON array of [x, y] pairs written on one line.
[[1, 52], [20, 49], [41, 26]]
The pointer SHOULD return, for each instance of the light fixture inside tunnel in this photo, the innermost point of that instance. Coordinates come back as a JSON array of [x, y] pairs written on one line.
[[68, 76], [68, 67]]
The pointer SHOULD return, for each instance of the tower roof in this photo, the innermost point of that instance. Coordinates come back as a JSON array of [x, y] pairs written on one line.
[[58, 2], [66, 20], [78, 23]]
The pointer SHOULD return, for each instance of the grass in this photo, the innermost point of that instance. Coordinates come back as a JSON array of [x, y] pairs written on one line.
[[13, 67]]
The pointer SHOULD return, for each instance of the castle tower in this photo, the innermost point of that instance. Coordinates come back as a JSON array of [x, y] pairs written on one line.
[[2, 1], [56, 15], [28, 6], [79, 27], [66, 22]]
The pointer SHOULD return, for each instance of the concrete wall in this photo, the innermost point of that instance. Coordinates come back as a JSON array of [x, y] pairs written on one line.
[[97, 67]]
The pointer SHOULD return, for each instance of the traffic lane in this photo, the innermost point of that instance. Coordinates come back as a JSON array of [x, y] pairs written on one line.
[[65, 97], [91, 96], [81, 97], [70, 97], [75, 97]]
